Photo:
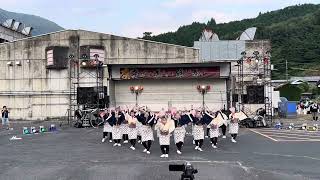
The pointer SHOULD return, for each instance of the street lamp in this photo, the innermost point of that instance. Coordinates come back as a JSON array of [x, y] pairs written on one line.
[[203, 89], [136, 90]]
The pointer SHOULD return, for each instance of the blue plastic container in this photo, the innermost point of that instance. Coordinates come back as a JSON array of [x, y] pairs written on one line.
[[287, 109]]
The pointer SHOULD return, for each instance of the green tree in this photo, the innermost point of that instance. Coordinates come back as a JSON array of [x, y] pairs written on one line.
[[147, 35], [294, 33]]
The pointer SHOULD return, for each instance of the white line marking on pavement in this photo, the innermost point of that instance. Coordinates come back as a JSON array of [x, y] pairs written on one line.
[[290, 131], [298, 140], [287, 155], [173, 161], [243, 167], [263, 135], [292, 135]]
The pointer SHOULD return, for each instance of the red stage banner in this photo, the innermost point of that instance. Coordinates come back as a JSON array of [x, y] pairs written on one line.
[[169, 73]]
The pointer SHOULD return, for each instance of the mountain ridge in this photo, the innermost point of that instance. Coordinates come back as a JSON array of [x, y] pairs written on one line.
[[40, 24]]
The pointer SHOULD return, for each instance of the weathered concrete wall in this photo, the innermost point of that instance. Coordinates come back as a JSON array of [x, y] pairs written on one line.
[[121, 50], [31, 91]]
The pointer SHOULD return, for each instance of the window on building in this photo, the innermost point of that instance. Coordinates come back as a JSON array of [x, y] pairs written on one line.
[[57, 57], [255, 94], [91, 56]]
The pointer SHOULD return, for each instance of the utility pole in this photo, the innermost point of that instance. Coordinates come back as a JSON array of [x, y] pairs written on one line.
[[287, 70]]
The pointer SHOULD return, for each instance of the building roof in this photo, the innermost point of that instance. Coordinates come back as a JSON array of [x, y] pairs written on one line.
[[307, 78], [41, 35]]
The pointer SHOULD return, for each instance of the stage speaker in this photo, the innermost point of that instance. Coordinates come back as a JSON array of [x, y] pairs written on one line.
[[103, 98], [85, 95], [244, 98], [235, 97], [89, 96], [255, 94]]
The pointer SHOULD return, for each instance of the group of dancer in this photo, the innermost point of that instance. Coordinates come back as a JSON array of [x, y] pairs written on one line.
[[137, 125]]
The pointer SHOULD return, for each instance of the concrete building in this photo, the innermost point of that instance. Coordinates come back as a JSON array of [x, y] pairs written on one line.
[[35, 73], [310, 79], [256, 83]]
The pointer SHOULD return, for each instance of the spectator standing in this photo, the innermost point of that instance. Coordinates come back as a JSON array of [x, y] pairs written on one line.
[[314, 111], [5, 117]]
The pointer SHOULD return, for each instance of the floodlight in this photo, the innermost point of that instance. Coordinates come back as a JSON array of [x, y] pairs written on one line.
[[27, 31], [8, 23], [16, 26]]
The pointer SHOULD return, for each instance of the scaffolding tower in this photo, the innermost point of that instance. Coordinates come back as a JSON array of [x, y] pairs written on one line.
[[73, 83], [240, 87], [85, 72], [268, 88], [262, 71]]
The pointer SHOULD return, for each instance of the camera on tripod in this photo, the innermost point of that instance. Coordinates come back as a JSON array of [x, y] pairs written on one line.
[[186, 168]]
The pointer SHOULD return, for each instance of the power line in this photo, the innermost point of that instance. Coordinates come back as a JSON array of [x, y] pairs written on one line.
[[286, 70], [303, 63], [303, 69]]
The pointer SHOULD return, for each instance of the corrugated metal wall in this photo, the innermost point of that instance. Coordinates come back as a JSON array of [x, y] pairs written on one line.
[[220, 50], [159, 94]]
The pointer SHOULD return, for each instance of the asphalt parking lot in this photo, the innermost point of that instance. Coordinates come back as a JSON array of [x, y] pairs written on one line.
[[279, 135], [72, 153]]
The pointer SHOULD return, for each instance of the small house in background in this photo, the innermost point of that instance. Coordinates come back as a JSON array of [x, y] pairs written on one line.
[[296, 90]]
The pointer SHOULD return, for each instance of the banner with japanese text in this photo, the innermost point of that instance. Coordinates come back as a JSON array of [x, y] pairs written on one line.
[[169, 73]]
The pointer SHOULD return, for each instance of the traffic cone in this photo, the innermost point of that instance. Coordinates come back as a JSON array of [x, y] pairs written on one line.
[[42, 129], [25, 130]]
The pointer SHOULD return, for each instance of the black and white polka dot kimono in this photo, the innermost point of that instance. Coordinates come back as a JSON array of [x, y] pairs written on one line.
[[146, 128], [179, 132], [116, 132], [133, 132], [116, 128], [124, 127], [139, 128], [107, 126], [146, 133], [233, 127], [197, 131], [164, 138], [214, 131]]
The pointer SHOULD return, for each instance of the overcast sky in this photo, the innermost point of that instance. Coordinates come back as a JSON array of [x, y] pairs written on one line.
[[133, 17]]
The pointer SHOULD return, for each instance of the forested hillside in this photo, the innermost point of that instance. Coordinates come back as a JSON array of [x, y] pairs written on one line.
[[294, 33]]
